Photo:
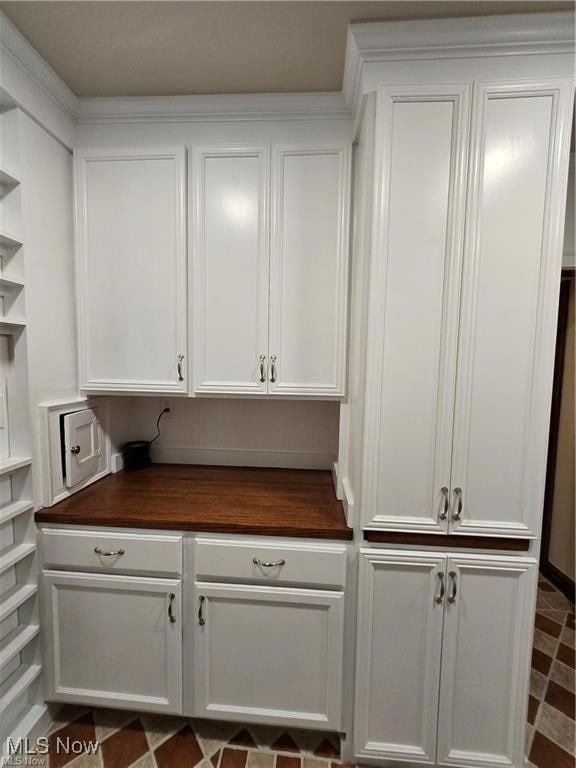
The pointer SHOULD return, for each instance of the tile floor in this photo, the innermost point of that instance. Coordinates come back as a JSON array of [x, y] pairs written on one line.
[[551, 728], [137, 740]]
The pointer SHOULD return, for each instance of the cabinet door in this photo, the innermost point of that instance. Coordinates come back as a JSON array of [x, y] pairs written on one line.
[[509, 300], [131, 270], [308, 270], [398, 656], [486, 660], [269, 655], [230, 270], [111, 642], [421, 137]]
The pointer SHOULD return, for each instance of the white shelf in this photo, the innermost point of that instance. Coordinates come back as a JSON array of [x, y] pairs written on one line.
[[7, 323], [9, 284], [7, 466], [27, 720], [17, 683], [13, 555], [8, 179], [14, 509], [15, 598], [10, 239], [15, 641]]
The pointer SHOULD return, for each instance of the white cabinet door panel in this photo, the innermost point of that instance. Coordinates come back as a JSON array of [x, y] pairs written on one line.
[[269, 655], [82, 451], [308, 270], [485, 660], [500, 421], [230, 269], [111, 643], [398, 656], [131, 269], [414, 301]]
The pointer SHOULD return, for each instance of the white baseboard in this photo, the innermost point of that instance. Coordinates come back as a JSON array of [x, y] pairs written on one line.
[[116, 462], [242, 458]]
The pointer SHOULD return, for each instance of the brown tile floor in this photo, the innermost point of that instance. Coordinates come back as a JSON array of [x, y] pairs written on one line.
[[137, 740], [551, 738]]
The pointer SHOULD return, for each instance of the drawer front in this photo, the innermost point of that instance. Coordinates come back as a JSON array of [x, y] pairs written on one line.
[[112, 552], [274, 562]]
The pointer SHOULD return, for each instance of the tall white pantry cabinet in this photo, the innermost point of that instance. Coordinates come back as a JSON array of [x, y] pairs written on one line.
[[459, 193]]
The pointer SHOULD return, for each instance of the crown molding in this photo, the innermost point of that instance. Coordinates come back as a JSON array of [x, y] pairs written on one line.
[[214, 108], [478, 36]]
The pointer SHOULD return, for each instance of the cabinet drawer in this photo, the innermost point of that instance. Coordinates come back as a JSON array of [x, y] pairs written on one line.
[[141, 553], [256, 561]]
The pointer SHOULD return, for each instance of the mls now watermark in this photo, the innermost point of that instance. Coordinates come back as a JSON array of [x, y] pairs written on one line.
[[24, 752]]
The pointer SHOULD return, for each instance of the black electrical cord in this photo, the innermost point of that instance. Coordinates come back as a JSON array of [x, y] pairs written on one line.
[[165, 410]]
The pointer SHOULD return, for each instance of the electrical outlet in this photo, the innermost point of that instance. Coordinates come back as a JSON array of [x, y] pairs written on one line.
[[165, 402]]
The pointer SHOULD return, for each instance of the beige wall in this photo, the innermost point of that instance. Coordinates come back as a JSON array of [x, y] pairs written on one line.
[[561, 553]]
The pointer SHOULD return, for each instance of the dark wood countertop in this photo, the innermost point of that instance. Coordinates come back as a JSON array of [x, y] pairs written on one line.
[[266, 502]]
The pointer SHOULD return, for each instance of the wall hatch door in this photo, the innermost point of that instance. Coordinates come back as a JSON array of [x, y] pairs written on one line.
[[81, 449]]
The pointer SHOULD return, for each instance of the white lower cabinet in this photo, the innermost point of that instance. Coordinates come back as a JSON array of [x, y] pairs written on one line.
[[443, 655], [114, 641], [269, 655]]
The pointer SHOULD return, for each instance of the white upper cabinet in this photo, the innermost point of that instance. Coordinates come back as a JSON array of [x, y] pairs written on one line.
[[461, 327], [229, 286], [131, 270], [308, 270], [269, 299], [500, 407], [415, 284]]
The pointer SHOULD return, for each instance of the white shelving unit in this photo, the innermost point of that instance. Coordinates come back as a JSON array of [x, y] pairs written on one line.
[[21, 700]]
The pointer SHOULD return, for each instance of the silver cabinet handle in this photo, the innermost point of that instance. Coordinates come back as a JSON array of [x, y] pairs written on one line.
[[171, 598], [272, 368], [262, 369], [445, 503], [179, 368], [458, 513], [263, 564], [440, 597], [201, 619], [108, 554], [75, 450], [453, 591]]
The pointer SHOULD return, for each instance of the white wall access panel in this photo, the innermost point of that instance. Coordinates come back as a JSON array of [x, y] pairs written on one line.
[[512, 260], [131, 269], [485, 660], [415, 283], [309, 270], [398, 656], [229, 280]]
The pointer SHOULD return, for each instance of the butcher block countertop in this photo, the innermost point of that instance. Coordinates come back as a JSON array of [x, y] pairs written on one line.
[[264, 502]]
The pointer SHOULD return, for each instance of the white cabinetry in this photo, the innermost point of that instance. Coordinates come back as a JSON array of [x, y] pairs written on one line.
[[269, 277], [443, 649], [269, 651], [459, 326], [113, 639], [131, 270]]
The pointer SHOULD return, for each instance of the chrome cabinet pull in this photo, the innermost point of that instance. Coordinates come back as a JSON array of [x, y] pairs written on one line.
[[171, 598], [445, 503], [180, 375], [453, 591], [201, 619], [272, 368], [108, 554], [262, 369], [458, 513], [263, 564], [440, 598]]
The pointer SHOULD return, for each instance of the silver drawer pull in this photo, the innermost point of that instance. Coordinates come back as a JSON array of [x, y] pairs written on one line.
[[453, 591], [179, 368], [262, 369], [262, 564], [458, 513], [108, 554], [273, 368], [171, 598], [201, 619], [445, 503], [440, 598]]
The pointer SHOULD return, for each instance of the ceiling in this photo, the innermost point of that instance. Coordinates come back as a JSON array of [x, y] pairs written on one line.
[[164, 48]]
